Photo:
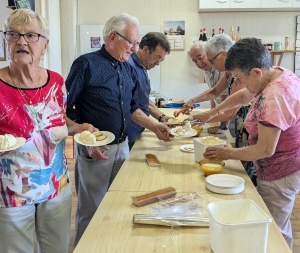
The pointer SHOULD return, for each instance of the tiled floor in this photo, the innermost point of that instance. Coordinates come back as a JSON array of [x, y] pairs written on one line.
[[69, 153]]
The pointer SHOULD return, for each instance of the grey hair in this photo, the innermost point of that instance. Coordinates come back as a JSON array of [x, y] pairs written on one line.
[[24, 17], [198, 43], [218, 43], [247, 54], [118, 23]]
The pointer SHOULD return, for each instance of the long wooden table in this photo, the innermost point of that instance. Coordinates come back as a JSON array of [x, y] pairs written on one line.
[[112, 230]]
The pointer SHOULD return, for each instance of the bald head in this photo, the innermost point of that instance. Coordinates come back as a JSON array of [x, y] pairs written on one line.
[[198, 56]]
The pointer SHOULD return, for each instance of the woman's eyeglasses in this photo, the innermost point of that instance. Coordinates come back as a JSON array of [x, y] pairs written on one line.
[[29, 37]]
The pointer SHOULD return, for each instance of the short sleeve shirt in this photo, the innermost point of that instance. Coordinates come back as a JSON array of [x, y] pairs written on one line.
[[212, 77], [278, 105]]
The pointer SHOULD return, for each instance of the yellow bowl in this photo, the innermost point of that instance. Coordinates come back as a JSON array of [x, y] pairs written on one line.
[[198, 129], [210, 166]]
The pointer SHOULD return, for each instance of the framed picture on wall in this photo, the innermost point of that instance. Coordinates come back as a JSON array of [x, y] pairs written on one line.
[[2, 48], [24, 4]]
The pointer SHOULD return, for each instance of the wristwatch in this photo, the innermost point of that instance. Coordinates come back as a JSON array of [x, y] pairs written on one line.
[[223, 126], [160, 117]]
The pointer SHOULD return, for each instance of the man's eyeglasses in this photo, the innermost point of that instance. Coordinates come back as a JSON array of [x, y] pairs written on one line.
[[158, 58], [29, 37], [131, 43], [212, 60]]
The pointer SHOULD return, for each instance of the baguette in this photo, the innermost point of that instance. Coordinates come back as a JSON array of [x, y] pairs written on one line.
[[155, 196]]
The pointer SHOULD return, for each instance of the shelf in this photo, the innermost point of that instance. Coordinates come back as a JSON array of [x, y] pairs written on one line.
[[274, 53], [11, 7]]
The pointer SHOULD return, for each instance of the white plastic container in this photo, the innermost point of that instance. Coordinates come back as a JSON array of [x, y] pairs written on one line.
[[238, 226], [200, 146]]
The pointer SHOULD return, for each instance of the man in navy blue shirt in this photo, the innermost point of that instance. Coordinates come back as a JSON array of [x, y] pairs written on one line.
[[102, 91], [153, 49]]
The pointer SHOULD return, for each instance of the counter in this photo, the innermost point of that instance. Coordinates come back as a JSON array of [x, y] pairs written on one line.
[[111, 229]]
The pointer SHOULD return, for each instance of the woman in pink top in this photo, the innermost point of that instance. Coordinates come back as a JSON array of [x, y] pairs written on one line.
[[273, 124]]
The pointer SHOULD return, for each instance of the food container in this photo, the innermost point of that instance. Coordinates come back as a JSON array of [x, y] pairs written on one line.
[[198, 128], [152, 160], [225, 184], [201, 143], [269, 46], [287, 43], [210, 166], [234, 222], [277, 46]]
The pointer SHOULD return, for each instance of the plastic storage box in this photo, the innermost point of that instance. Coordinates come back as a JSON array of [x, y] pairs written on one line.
[[200, 146], [238, 226]]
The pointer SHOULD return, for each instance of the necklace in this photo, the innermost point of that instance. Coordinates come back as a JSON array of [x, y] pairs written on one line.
[[21, 91]]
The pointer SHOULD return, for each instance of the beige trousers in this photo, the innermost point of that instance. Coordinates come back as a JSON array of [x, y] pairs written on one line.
[[279, 197]]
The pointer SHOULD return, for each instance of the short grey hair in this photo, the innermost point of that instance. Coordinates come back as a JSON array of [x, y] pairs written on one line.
[[246, 54], [218, 43], [118, 23], [24, 17], [198, 43]]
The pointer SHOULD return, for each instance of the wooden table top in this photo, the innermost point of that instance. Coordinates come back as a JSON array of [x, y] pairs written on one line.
[[111, 229], [178, 168]]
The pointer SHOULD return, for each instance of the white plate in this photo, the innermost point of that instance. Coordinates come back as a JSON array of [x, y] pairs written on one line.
[[109, 139], [183, 148], [224, 181], [20, 142], [235, 190], [190, 133]]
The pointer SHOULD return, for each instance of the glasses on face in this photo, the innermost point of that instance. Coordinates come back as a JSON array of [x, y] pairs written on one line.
[[130, 43], [158, 58], [212, 60], [29, 37]]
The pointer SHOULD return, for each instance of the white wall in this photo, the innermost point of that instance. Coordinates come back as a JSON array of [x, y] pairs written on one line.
[[4, 12], [268, 26], [179, 77]]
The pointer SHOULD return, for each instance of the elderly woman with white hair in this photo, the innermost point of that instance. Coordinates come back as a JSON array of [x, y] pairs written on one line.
[[273, 124], [35, 192]]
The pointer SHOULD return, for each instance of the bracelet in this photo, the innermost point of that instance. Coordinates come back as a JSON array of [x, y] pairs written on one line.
[[160, 117], [217, 110]]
